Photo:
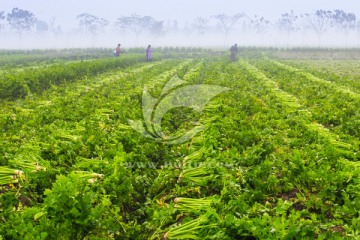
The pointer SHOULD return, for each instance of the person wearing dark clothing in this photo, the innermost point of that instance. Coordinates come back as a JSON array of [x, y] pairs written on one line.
[[234, 51]]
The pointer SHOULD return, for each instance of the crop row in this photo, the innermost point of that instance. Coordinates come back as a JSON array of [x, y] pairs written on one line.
[[73, 101], [257, 170], [19, 84], [332, 106], [23, 58], [342, 72], [269, 175], [293, 103], [56, 144], [309, 76]]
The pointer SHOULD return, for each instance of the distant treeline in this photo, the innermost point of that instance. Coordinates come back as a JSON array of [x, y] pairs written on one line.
[[317, 23]]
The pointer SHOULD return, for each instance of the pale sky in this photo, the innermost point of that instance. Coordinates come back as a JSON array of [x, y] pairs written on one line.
[[65, 11]]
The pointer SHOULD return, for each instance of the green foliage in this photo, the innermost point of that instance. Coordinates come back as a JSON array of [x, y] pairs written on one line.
[[267, 166], [22, 83]]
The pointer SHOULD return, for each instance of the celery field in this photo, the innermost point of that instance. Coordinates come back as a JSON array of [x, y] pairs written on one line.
[[276, 157]]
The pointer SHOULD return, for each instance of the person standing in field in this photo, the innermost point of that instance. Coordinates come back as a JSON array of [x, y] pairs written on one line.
[[149, 53], [234, 51], [117, 51]]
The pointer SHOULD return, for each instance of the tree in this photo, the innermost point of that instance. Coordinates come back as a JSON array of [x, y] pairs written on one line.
[[21, 20], [226, 23], [2, 17], [287, 24], [157, 28], [56, 30], [92, 24], [201, 25], [171, 26], [41, 26], [345, 22], [319, 22], [135, 23], [259, 24], [175, 26]]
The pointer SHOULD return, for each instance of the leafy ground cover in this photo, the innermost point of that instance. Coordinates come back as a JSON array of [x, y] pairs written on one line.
[[277, 159]]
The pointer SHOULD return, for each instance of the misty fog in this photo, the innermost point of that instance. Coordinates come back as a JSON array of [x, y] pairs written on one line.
[[334, 28], [209, 40]]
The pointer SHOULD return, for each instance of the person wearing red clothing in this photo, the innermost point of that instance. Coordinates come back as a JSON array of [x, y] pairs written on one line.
[[117, 51]]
